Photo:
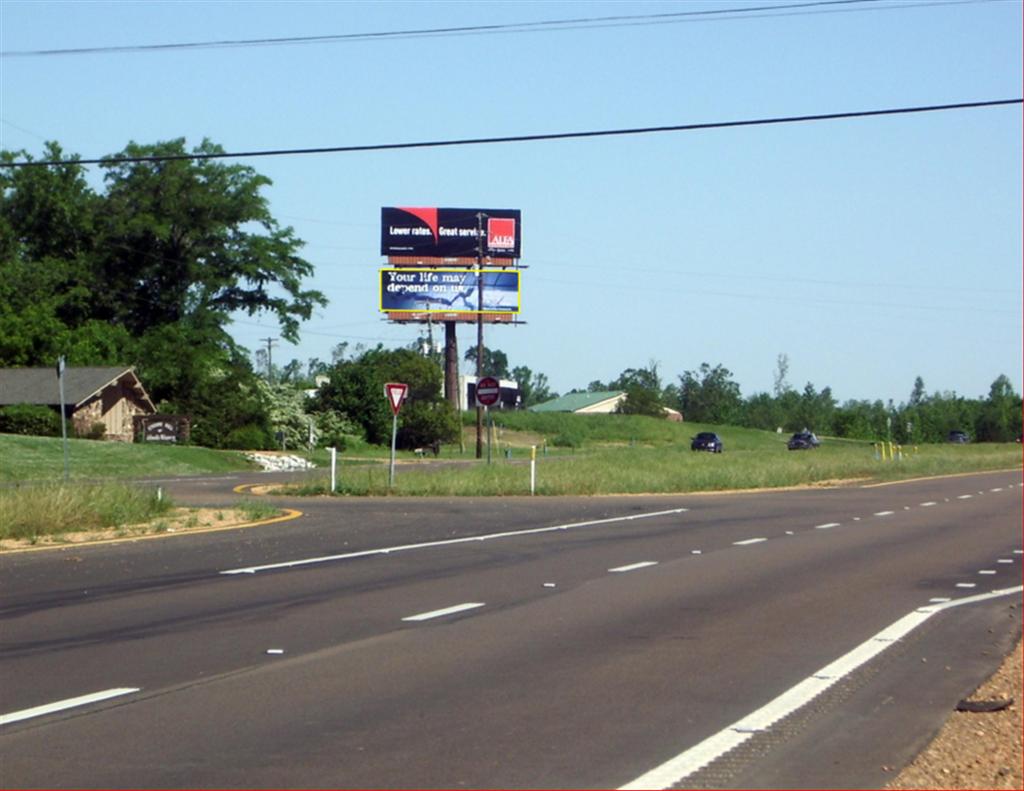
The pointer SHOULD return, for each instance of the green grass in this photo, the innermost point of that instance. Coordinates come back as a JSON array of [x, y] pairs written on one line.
[[30, 512], [752, 459], [42, 458]]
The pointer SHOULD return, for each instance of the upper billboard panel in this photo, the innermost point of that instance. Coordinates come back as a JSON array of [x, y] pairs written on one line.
[[449, 233]]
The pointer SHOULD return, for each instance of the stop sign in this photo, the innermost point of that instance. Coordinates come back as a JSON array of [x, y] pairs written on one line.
[[488, 391]]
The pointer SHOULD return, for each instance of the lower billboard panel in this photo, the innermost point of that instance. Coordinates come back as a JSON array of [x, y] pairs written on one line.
[[441, 318], [449, 291]]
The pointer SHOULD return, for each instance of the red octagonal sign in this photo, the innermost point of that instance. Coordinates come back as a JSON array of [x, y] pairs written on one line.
[[488, 390]]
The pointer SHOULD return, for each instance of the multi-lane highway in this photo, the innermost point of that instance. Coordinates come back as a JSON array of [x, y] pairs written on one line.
[[811, 638]]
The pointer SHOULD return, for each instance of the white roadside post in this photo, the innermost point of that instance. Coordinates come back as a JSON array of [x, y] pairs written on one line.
[[334, 469], [533, 469], [395, 393]]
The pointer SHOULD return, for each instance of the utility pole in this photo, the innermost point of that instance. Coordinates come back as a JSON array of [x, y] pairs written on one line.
[[270, 364], [480, 329]]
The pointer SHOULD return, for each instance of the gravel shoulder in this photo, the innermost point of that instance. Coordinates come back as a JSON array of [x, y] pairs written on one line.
[[976, 750]]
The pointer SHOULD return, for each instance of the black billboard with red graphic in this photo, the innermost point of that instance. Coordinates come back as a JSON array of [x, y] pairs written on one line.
[[449, 233]]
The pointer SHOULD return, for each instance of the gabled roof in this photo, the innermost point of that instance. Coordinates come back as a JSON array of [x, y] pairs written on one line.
[[574, 402], [40, 386]]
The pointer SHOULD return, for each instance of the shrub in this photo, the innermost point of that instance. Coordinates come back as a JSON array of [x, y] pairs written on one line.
[[97, 430], [29, 419], [249, 437]]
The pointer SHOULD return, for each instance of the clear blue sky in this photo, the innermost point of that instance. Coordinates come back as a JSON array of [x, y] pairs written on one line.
[[869, 251]]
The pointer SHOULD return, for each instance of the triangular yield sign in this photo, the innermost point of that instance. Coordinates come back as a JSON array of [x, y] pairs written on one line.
[[395, 393]]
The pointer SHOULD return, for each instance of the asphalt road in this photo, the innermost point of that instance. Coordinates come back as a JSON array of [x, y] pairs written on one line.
[[514, 642]]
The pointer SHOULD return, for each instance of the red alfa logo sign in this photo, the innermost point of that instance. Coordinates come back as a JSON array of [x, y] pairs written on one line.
[[395, 392], [501, 233]]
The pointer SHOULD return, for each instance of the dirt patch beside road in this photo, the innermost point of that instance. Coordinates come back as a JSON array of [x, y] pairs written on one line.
[[181, 520], [976, 750]]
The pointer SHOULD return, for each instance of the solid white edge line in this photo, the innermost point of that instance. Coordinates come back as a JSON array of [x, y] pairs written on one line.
[[677, 769], [449, 542], [426, 616], [634, 566], [62, 705]]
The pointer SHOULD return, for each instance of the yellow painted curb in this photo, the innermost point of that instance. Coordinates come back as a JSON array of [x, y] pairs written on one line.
[[290, 513]]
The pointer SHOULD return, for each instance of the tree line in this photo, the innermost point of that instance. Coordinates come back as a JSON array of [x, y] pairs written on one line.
[[709, 394]]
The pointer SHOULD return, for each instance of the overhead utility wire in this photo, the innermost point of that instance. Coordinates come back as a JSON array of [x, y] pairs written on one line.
[[815, 6], [473, 141]]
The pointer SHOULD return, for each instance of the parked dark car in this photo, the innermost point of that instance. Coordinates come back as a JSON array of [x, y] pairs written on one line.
[[708, 441], [958, 437], [803, 440]]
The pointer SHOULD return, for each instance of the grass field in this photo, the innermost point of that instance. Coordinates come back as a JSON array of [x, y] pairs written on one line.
[[641, 455], [42, 459]]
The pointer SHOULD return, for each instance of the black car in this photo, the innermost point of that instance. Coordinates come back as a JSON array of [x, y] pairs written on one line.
[[958, 437], [707, 441], [803, 440]]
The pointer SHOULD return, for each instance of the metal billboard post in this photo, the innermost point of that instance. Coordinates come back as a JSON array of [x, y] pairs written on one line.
[[63, 416]]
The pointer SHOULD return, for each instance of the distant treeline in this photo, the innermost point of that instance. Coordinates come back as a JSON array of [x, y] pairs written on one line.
[[710, 395]]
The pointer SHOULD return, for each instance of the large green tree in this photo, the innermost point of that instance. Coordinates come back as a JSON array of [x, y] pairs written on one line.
[[147, 271]]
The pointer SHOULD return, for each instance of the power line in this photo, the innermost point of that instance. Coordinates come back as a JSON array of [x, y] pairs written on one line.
[[621, 20], [474, 141]]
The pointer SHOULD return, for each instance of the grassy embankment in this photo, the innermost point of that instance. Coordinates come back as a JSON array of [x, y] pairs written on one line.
[[615, 454]]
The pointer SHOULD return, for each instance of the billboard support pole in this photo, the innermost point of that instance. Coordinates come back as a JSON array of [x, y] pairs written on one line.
[[480, 329], [451, 376]]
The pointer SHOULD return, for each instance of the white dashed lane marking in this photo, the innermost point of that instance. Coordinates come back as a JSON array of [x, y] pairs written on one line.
[[885, 513], [826, 526], [634, 566], [748, 542], [63, 705], [457, 608]]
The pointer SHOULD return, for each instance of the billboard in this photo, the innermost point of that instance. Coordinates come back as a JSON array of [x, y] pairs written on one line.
[[448, 291], [449, 233]]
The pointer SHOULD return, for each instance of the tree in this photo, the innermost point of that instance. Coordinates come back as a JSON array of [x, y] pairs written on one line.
[[643, 391], [356, 390], [533, 388], [495, 362], [917, 395], [710, 395], [1000, 414], [781, 370], [189, 236]]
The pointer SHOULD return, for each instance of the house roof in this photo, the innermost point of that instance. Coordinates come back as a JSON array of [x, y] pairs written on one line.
[[574, 402], [40, 386]]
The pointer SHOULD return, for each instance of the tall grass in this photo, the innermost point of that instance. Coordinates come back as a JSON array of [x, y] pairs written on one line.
[[30, 512]]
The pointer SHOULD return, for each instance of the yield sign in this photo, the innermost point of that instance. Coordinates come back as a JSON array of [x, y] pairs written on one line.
[[395, 392]]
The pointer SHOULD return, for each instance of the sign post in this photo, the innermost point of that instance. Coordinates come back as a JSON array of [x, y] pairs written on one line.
[[488, 391], [395, 393], [63, 416]]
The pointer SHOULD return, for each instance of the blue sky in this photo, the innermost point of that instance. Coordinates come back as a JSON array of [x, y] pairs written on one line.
[[868, 251]]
